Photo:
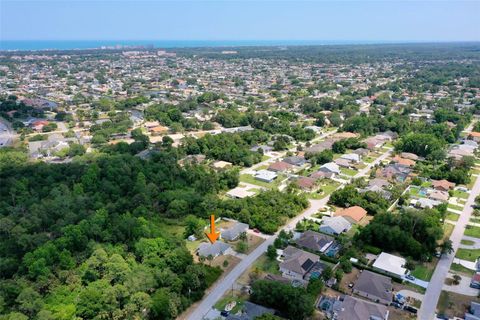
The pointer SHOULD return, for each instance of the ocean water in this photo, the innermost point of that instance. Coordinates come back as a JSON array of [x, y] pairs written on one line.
[[24, 45]]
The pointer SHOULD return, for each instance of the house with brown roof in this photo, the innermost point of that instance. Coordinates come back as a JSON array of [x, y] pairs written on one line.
[[403, 161], [306, 183], [475, 136], [280, 166], [442, 185], [439, 195], [355, 213]]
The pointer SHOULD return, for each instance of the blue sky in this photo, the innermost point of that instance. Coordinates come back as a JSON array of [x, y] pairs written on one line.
[[240, 20]]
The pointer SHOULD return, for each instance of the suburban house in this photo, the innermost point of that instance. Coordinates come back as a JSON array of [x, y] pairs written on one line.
[[390, 264], [297, 263], [425, 203], [221, 164], [343, 163], [322, 175], [403, 161], [206, 249], [335, 225], [319, 147], [442, 185], [353, 214], [394, 171], [234, 232], [382, 183], [250, 311], [306, 183], [280, 166], [438, 195], [374, 286], [475, 136], [361, 152], [265, 175], [357, 309], [330, 167], [352, 157], [295, 161], [315, 241], [240, 193]]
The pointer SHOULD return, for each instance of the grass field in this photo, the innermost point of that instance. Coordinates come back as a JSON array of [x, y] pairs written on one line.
[[452, 216], [272, 185], [423, 272], [467, 242], [460, 194], [468, 254], [266, 265], [455, 207], [461, 269], [447, 230], [472, 231], [348, 172]]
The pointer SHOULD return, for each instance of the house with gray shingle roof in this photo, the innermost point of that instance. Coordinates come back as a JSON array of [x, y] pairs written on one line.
[[374, 286], [234, 232]]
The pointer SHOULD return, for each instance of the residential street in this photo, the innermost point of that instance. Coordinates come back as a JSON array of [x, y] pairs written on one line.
[[226, 283], [427, 311]]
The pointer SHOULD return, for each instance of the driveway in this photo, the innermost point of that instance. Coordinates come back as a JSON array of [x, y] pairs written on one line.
[[475, 245], [412, 294], [418, 282], [462, 288]]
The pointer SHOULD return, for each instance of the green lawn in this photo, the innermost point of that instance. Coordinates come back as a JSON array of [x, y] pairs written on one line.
[[455, 207], [427, 184], [459, 268], [266, 265], [468, 254], [368, 159], [422, 272], [220, 305], [348, 171], [452, 216], [264, 157], [329, 187], [447, 230], [467, 242], [472, 231], [273, 185], [352, 231], [460, 194]]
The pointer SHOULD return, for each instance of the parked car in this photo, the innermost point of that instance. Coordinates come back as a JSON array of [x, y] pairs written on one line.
[[410, 277], [396, 305], [410, 309], [224, 313]]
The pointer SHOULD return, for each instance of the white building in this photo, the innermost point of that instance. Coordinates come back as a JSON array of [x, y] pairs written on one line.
[[391, 264]]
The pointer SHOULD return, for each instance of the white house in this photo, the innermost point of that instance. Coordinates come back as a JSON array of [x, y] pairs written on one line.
[[265, 175], [353, 157], [331, 167], [391, 264]]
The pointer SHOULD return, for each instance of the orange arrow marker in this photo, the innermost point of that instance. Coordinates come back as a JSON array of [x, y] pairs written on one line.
[[212, 236]]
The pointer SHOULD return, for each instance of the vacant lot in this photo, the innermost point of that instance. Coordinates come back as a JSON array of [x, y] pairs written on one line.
[[454, 304]]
